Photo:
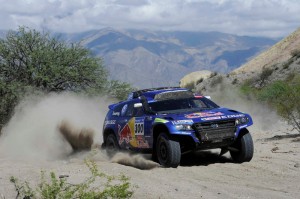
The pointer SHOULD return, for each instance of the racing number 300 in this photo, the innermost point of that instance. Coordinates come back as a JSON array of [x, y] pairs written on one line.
[[139, 128]]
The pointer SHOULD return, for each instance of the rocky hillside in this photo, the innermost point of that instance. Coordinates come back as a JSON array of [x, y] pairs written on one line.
[[279, 62], [279, 53]]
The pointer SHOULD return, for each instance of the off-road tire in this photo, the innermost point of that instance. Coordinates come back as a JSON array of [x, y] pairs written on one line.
[[245, 149], [168, 151], [111, 145]]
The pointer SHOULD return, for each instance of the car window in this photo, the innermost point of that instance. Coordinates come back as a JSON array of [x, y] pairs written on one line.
[[137, 112], [129, 111], [124, 110]]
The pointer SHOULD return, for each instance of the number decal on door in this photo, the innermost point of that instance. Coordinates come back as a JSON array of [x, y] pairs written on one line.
[[139, 128]]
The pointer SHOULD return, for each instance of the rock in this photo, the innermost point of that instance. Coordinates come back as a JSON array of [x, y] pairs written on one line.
[[195, 78], [63, 176]]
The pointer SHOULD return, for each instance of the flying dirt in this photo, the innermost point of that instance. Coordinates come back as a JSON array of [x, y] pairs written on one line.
[[55, 126]]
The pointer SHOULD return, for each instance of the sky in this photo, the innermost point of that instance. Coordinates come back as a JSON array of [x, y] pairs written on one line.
[[268, 18]]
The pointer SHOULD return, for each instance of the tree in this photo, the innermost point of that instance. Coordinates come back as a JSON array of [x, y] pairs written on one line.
[[31, 60], [37, 59], [284, 96]]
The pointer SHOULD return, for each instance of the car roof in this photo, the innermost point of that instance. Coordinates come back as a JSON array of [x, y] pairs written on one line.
[[156, 94], [162, 93], [152, 92]]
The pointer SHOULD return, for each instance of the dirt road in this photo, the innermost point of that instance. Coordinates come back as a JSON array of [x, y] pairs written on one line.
[[274, 172]]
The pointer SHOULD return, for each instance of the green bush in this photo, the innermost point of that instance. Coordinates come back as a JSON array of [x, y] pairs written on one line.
[[284, 96], [55, 187]]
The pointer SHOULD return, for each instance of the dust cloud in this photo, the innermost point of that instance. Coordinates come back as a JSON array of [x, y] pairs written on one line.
[[137, 161], [264, 118], [61, 127], [34, 130]]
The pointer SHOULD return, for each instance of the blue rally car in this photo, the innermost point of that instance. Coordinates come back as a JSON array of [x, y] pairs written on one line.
[[168, 122]]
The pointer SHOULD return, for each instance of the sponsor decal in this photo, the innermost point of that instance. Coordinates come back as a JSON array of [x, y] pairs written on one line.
[[160, 120], [141, 142], [233, 116], [214, 126], [108, 122], [211, 118], [133, 133], [124, 134], [116, 113], [222, 117], [203, 114], [182, 122]]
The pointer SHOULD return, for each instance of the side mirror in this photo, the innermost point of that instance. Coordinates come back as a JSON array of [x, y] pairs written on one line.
[[146, 105]]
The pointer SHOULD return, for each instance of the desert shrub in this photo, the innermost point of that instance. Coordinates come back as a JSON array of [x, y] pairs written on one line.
[[265, 74], [56, 187], [215, 81], [287, 63], [235, 81], [213, 74], [199, 81], [295, 53], [284, 96]]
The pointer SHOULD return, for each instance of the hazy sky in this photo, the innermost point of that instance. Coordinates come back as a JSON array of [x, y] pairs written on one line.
[[271, 18]]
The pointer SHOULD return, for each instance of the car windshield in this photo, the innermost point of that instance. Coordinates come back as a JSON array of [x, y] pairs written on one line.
[[182, 105]]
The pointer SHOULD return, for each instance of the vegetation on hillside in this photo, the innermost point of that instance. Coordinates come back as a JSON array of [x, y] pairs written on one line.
[[97, 185], [33, 61], [282, 95]]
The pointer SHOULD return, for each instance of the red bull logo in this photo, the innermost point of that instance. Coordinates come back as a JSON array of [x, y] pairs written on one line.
[[124, 134]]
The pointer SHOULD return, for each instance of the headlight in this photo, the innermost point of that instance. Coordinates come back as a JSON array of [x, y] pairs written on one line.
[[242, 120], [183, 127]]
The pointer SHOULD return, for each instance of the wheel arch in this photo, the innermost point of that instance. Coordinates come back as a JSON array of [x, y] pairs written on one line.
[[106, 132], [157, 129], [242, 132]]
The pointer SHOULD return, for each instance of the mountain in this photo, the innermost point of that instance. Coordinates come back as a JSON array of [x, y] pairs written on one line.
[[157, 58]]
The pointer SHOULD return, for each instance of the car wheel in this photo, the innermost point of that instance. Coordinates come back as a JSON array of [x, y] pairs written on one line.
[[168, 151], [112, 145], [242, 150]]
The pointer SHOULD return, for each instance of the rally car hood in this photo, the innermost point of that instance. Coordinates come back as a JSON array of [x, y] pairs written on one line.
[[205, 115]]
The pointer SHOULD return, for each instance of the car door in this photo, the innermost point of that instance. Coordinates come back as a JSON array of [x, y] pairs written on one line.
[[142, 127], [132, 127]]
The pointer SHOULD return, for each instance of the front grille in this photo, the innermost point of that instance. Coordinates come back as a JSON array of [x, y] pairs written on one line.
[[215, 130]]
